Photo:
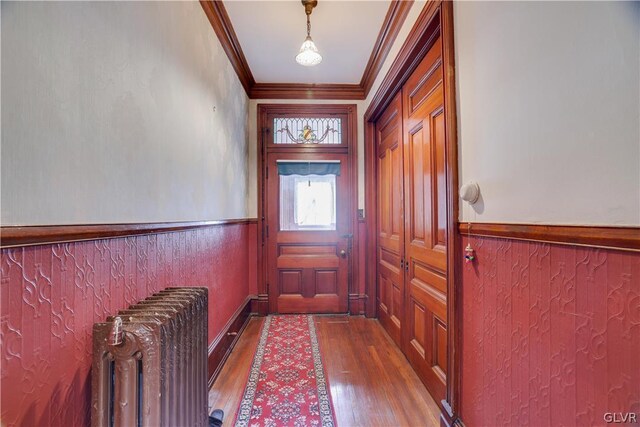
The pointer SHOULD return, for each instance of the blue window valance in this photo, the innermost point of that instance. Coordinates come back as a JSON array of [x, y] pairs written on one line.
[[308, 168]]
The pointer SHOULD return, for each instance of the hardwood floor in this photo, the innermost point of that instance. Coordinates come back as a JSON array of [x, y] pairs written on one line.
[[372, 383], [227, 389]]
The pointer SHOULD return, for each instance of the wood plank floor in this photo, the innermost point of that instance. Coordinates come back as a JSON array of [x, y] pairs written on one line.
[[372, 384]]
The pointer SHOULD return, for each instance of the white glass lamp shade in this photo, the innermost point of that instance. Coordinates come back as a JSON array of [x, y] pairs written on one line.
[[308, 55]]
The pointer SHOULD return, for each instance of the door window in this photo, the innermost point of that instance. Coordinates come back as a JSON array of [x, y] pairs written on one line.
[[307, 202]]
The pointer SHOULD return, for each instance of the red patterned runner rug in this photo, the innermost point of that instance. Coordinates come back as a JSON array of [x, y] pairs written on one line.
[[286, 384]]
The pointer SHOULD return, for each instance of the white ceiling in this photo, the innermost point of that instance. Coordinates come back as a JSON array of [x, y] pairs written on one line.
[[271, 32]]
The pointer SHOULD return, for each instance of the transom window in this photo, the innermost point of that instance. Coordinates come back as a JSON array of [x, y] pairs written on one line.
[[302, 130]]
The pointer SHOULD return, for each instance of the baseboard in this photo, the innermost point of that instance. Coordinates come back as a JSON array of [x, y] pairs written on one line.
[[221, 347], [260, 304], [447, 421], [357, 304], [447, 417]]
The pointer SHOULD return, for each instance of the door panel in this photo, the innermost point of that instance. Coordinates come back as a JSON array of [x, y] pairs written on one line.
[[426, 223], [427, 347], [391, 221], [307, 268], [291, 282], [426, 183], [326, 282]]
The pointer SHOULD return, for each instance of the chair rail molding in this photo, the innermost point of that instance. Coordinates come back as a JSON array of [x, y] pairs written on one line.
[[611, 237], [15, 236]]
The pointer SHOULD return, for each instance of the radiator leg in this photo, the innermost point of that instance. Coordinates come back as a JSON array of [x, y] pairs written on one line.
[[126, 393]]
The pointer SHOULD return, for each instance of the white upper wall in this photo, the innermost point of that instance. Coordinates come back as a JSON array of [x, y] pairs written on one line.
[[549, 110], [108, 115]]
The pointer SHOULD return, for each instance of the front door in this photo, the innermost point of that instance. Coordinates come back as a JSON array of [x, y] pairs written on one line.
[[308, 203]]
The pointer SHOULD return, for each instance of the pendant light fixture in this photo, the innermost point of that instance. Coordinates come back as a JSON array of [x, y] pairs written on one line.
[[308, 55]]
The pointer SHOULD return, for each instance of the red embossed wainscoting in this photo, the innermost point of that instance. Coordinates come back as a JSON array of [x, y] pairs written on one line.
[[550, 334], [52, 295]]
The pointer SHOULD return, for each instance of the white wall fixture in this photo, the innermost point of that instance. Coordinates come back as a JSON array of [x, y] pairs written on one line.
[[470, 192]]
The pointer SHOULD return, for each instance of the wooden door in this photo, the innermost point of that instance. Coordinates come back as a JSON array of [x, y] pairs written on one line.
[[390, 220], [425, 332], [308, 270], [306, 215]]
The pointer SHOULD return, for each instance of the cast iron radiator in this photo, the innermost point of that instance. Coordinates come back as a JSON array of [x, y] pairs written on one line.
[[150, 363]]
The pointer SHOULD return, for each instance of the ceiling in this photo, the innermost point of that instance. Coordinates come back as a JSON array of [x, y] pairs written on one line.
[[271, 32]]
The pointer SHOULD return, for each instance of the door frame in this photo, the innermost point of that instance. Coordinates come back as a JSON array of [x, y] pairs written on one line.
[[263, 111], [436, 18]]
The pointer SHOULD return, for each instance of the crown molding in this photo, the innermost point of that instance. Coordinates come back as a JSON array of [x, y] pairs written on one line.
[[222, 26], [418, 42], [219, 19], [396, 15], [306, 91]]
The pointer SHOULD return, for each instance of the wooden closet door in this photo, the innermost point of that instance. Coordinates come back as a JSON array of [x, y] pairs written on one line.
[[390, 219], [425, 331]]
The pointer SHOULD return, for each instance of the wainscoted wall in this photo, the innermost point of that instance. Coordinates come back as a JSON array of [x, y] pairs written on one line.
[[52, 295], [550, 334]]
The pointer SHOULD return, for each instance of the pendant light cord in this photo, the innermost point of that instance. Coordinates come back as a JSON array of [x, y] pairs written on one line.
[[308, 25]]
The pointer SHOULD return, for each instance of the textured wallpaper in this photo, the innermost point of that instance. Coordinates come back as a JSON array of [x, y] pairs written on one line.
[[119, 112], [550, 334], [51, 295]]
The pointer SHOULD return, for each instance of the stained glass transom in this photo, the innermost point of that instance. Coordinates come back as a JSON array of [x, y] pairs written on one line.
[[302, 130]]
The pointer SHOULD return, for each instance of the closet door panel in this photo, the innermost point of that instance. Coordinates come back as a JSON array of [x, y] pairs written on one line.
[[425, 223], [426, 183], [390, 220]]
